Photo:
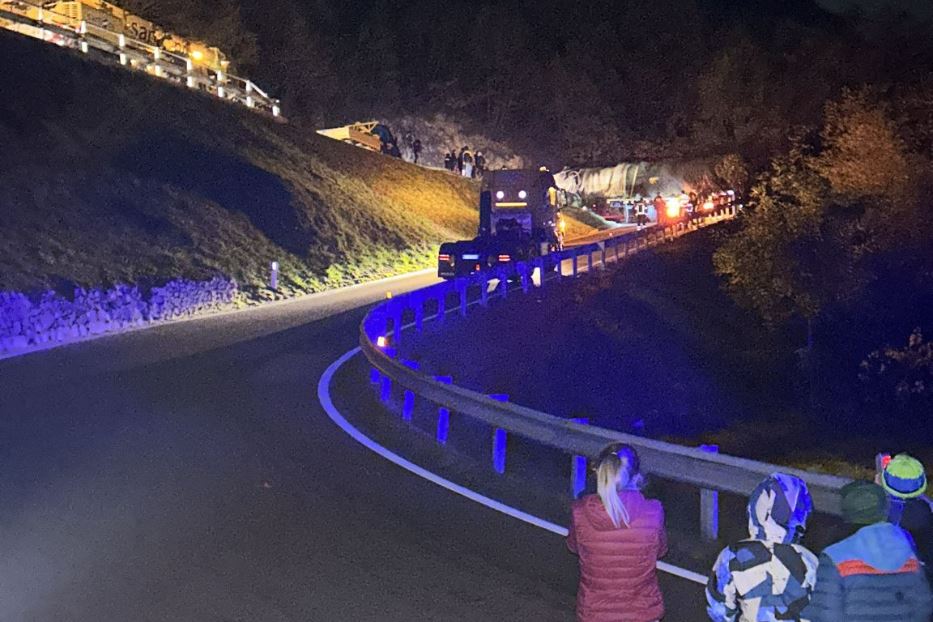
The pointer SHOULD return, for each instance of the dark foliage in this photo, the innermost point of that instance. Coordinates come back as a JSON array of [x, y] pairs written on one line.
[[570, 82]]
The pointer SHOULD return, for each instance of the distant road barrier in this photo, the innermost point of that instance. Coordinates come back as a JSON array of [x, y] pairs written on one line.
[[711, 472], [30, 18]]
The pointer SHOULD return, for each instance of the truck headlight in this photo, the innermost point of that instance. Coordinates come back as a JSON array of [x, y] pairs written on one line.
[[522, 194]]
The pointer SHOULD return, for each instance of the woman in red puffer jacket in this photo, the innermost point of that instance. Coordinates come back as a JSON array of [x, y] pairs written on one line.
[[619, 536]]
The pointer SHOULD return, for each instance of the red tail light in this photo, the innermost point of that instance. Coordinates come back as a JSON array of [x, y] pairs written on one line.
[[443, 257], [505, 258]]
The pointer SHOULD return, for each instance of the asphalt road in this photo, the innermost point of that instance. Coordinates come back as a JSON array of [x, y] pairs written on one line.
[[187, 472]]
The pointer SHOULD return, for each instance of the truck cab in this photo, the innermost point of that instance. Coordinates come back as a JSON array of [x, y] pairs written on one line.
[[519, 218]]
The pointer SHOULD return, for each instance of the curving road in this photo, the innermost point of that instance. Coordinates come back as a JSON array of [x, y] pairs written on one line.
[[187, 472]]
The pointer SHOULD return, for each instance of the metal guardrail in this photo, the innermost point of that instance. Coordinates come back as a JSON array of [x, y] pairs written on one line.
[[381, 332], [30, 18]]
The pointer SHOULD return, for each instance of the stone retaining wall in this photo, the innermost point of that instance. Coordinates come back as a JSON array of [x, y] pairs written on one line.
[[28, 323]]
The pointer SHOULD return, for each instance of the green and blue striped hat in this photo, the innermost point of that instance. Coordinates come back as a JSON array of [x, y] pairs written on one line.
[[904, 477]]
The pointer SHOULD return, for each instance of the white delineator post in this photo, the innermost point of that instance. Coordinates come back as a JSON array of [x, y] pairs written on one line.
[[274, 276]]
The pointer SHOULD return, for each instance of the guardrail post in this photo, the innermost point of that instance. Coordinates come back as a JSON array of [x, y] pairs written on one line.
[[503, 282], [396, 324], [408, 400], [462, 290], [419, 314], [156, 55], [189, 77], [589, 260], [499, 440], [602, 254], [442, 306], [709, 505], [82, 31], [573, 257], [578, 467], [385, 389], [443, 415]]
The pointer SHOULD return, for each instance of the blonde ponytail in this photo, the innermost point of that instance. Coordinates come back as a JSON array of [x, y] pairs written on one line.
[[618, 469]]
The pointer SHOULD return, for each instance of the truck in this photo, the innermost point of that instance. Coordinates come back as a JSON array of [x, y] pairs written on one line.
[[108, 22], [519, 219], [370, 135]]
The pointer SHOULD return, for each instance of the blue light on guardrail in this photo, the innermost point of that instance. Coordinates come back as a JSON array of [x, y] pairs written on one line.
[[443, 415], [443, 425], [408, 406], [499, 440], [578, 466]]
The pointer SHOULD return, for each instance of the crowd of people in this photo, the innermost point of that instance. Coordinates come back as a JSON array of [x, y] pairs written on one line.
[[465, 163], [878, 568]]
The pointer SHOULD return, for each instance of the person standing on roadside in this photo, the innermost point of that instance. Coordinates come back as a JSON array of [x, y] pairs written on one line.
[[416, 150], [641, 214], [770, 575], [904, 479], [874, 574], [660, 209], [618, 536]]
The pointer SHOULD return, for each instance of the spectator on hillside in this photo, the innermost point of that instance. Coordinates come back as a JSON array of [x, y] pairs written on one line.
[[467, 157], [416, 150], [873, 574], [905, 481], [450, 161], [768, 576], [618, 535], [480, 162]]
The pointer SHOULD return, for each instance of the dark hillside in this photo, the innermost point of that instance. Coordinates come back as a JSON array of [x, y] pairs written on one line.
[[655, 346], [110, 176]]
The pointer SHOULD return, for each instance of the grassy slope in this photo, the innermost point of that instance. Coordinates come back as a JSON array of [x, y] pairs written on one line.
[[111, 176]]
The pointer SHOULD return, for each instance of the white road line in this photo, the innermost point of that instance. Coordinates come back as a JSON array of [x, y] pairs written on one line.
[[323, 394]]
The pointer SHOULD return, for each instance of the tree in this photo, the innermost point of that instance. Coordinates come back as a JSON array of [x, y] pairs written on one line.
[[216, 22], [901, 376], [862, 155], [374, 73], [296, 58], [583, 121], [735, 96], [824, 217], [733, 173]]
